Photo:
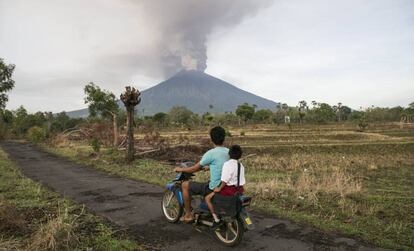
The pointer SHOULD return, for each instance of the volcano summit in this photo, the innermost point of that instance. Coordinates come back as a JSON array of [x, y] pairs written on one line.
[[197, 91]]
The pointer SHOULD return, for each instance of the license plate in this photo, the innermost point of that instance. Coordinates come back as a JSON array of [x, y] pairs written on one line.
[[248, 221]]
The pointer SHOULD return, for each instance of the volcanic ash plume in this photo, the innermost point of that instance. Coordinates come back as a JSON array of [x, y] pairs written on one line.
[[183, 27]]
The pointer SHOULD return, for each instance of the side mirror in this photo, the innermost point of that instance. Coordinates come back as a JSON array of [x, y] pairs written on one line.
[[187, 164]]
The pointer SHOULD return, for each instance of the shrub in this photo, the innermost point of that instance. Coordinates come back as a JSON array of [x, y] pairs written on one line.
[[11, 222], [228, 133], [362, 125], [336, 182], [36, 134], [95, 144], [242, 133], [56, 234], [10, 244], [3, 130]]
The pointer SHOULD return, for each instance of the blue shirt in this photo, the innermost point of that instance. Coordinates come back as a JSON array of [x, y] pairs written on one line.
[[215, 158]]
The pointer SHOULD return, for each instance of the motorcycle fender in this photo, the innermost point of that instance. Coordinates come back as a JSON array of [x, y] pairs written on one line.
[[170, 187], [179, 195], [246, 219]]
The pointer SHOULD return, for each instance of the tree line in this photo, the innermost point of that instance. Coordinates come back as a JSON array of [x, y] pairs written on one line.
[[302, 113]]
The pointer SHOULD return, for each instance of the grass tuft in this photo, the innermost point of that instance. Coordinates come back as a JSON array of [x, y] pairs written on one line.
[[57, 233]]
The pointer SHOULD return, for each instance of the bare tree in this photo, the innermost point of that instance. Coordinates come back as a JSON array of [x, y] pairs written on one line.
[[131, 98], [314, 104], [338, 110]]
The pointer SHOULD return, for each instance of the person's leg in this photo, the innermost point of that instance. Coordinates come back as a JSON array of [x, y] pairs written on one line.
[[208, 199], [209, 203], [187, 200]]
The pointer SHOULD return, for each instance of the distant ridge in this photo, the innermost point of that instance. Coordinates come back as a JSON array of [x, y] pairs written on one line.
[[195, 90]]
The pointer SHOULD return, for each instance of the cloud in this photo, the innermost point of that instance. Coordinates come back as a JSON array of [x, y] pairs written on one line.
[[111, 42], [184, 27]]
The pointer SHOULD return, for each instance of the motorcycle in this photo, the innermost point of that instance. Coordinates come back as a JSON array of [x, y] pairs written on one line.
[[232, 229]]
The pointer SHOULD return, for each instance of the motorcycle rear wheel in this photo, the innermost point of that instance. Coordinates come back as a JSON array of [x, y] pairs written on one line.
[[171, 208], [231, 233]]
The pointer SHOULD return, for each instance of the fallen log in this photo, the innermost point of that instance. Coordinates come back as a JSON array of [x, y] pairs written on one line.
[[149, 151], [248, 156]]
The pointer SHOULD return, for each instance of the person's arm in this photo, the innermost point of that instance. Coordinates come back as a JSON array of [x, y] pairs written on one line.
[[225, 177], [205, 161], [197, 167], [218, 189]]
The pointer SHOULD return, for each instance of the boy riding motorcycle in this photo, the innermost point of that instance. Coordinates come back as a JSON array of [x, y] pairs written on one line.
[[214, 158]]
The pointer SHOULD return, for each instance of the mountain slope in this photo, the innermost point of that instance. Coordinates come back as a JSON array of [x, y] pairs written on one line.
[[195, 90]]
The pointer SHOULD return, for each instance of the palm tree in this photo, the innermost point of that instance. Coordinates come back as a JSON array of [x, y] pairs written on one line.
[[285, 108]]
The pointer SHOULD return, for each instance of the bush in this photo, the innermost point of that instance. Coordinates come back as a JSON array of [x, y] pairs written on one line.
[[228, 133], [95, 144], [36, 134], [56, 234], [362, 125], [3, 131], [242, 133]]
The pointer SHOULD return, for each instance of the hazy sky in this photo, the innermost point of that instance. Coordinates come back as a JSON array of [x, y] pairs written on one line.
[[360, 53]]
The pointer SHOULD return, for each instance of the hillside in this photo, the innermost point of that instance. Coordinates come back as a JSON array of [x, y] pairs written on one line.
[[195, 90]]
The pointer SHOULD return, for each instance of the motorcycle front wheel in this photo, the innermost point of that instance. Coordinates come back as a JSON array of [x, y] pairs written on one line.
[[230, 233], [171, 207]]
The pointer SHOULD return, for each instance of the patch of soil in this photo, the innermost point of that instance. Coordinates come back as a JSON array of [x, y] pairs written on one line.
[[95, 192], [12, 221], [104, 198], [279, 230], [320, 240], [40, 214], [116, 209], [158, 195], [155, 234]]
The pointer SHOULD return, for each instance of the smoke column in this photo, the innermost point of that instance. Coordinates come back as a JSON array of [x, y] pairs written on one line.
[[184, 25]]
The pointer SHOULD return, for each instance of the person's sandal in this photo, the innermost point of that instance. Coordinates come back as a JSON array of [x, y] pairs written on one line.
[[187, 221]]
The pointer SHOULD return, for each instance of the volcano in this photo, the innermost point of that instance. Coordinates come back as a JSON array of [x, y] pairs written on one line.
[[196, 90]]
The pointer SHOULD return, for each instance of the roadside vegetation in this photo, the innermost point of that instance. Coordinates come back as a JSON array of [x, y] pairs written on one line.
[[33, 218]]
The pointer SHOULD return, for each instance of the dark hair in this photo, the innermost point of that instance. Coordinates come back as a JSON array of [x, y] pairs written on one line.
[[235, 152], [217, 135]]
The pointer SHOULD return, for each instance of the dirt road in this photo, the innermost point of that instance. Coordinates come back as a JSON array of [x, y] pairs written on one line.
[[135, 206]]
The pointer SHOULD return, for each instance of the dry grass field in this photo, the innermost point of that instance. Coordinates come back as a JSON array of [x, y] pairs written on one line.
[[330, 176]]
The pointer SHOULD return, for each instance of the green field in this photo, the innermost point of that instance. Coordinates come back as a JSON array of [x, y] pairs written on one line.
[[330, 176]]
